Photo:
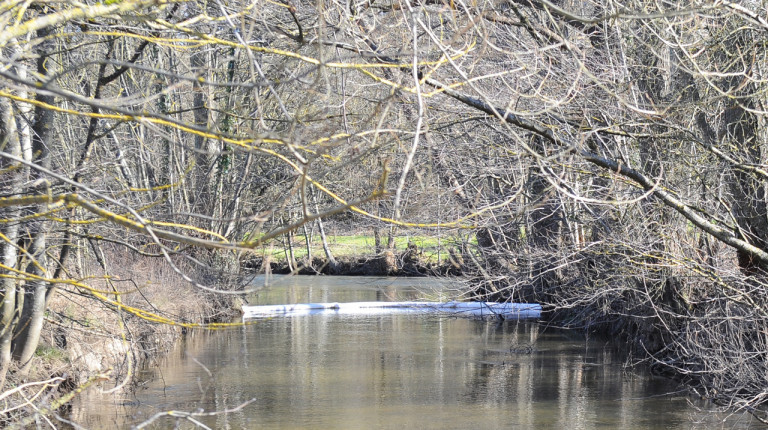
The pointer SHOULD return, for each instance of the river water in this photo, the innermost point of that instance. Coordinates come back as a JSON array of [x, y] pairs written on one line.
[[397, 371]]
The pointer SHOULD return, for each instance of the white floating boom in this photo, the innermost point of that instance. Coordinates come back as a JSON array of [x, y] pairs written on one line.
[[469, 309]]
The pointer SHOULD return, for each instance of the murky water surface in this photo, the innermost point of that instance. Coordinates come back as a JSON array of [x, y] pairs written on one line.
[[396, 371]]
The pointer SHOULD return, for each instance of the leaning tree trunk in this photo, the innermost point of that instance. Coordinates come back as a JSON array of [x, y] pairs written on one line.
[[326, 247]]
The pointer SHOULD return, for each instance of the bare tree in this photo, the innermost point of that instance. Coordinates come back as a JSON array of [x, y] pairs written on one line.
[[608, 158]]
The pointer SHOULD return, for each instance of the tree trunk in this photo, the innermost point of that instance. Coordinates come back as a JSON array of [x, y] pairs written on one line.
[[544, 231], [11, 182], [30, 323], [202, 199], [291, 255], [308, 243], [32, 314], [749, 205], [326, 248]]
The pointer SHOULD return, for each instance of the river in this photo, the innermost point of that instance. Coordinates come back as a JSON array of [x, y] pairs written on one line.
[[396, 372]]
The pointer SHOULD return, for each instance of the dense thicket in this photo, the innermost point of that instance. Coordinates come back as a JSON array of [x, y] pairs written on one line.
[[607, 159]]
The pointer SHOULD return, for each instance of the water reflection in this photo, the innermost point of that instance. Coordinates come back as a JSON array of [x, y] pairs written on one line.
[[400, 371]]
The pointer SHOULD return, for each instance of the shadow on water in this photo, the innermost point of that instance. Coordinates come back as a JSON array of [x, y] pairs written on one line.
[[398, 371]]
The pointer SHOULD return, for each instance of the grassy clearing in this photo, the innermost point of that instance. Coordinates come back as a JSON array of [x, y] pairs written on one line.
[[432, 249]]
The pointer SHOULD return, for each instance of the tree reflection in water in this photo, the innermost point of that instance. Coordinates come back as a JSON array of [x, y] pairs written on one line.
[[402, 371]]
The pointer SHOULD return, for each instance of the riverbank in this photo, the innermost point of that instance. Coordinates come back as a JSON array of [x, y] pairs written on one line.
[[682, 325], [103, 329], [408, 262], [86, 336], [325, 369]]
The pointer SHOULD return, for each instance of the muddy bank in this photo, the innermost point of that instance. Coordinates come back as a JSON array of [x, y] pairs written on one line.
[[408, 264]]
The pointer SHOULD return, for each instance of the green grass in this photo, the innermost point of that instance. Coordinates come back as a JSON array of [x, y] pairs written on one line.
[[50, 353], [351, 246]]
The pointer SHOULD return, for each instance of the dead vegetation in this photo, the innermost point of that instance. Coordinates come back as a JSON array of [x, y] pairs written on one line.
[[90, 341]]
